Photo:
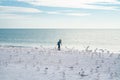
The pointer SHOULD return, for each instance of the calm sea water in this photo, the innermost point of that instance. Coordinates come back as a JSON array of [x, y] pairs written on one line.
[[78, 38]]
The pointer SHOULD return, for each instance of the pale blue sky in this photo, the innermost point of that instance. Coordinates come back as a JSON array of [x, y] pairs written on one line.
[[59, 14]]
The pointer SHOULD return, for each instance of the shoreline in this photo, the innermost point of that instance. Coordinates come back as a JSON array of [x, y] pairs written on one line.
[[62, 48]]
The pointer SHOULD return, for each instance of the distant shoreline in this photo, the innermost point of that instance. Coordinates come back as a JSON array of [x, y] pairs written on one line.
[[55, 47]]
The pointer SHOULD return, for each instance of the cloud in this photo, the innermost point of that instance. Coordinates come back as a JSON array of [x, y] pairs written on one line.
[[86, 4], [12, 16], [11, 9], [52, 12], [8, 12], [78, 14], [68, 13]]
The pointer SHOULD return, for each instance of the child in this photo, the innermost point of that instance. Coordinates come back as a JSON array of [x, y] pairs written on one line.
[[59, 43]]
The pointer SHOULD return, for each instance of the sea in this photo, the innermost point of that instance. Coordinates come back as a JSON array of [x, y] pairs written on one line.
[[71, 38]]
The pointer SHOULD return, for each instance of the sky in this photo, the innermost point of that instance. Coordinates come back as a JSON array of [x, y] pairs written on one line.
[[60, 14]]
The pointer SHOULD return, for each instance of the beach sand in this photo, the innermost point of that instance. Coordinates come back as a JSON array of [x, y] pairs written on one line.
[[40, 63]]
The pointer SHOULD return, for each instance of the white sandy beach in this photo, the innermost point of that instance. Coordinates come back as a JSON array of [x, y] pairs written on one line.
[[39, 63]]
